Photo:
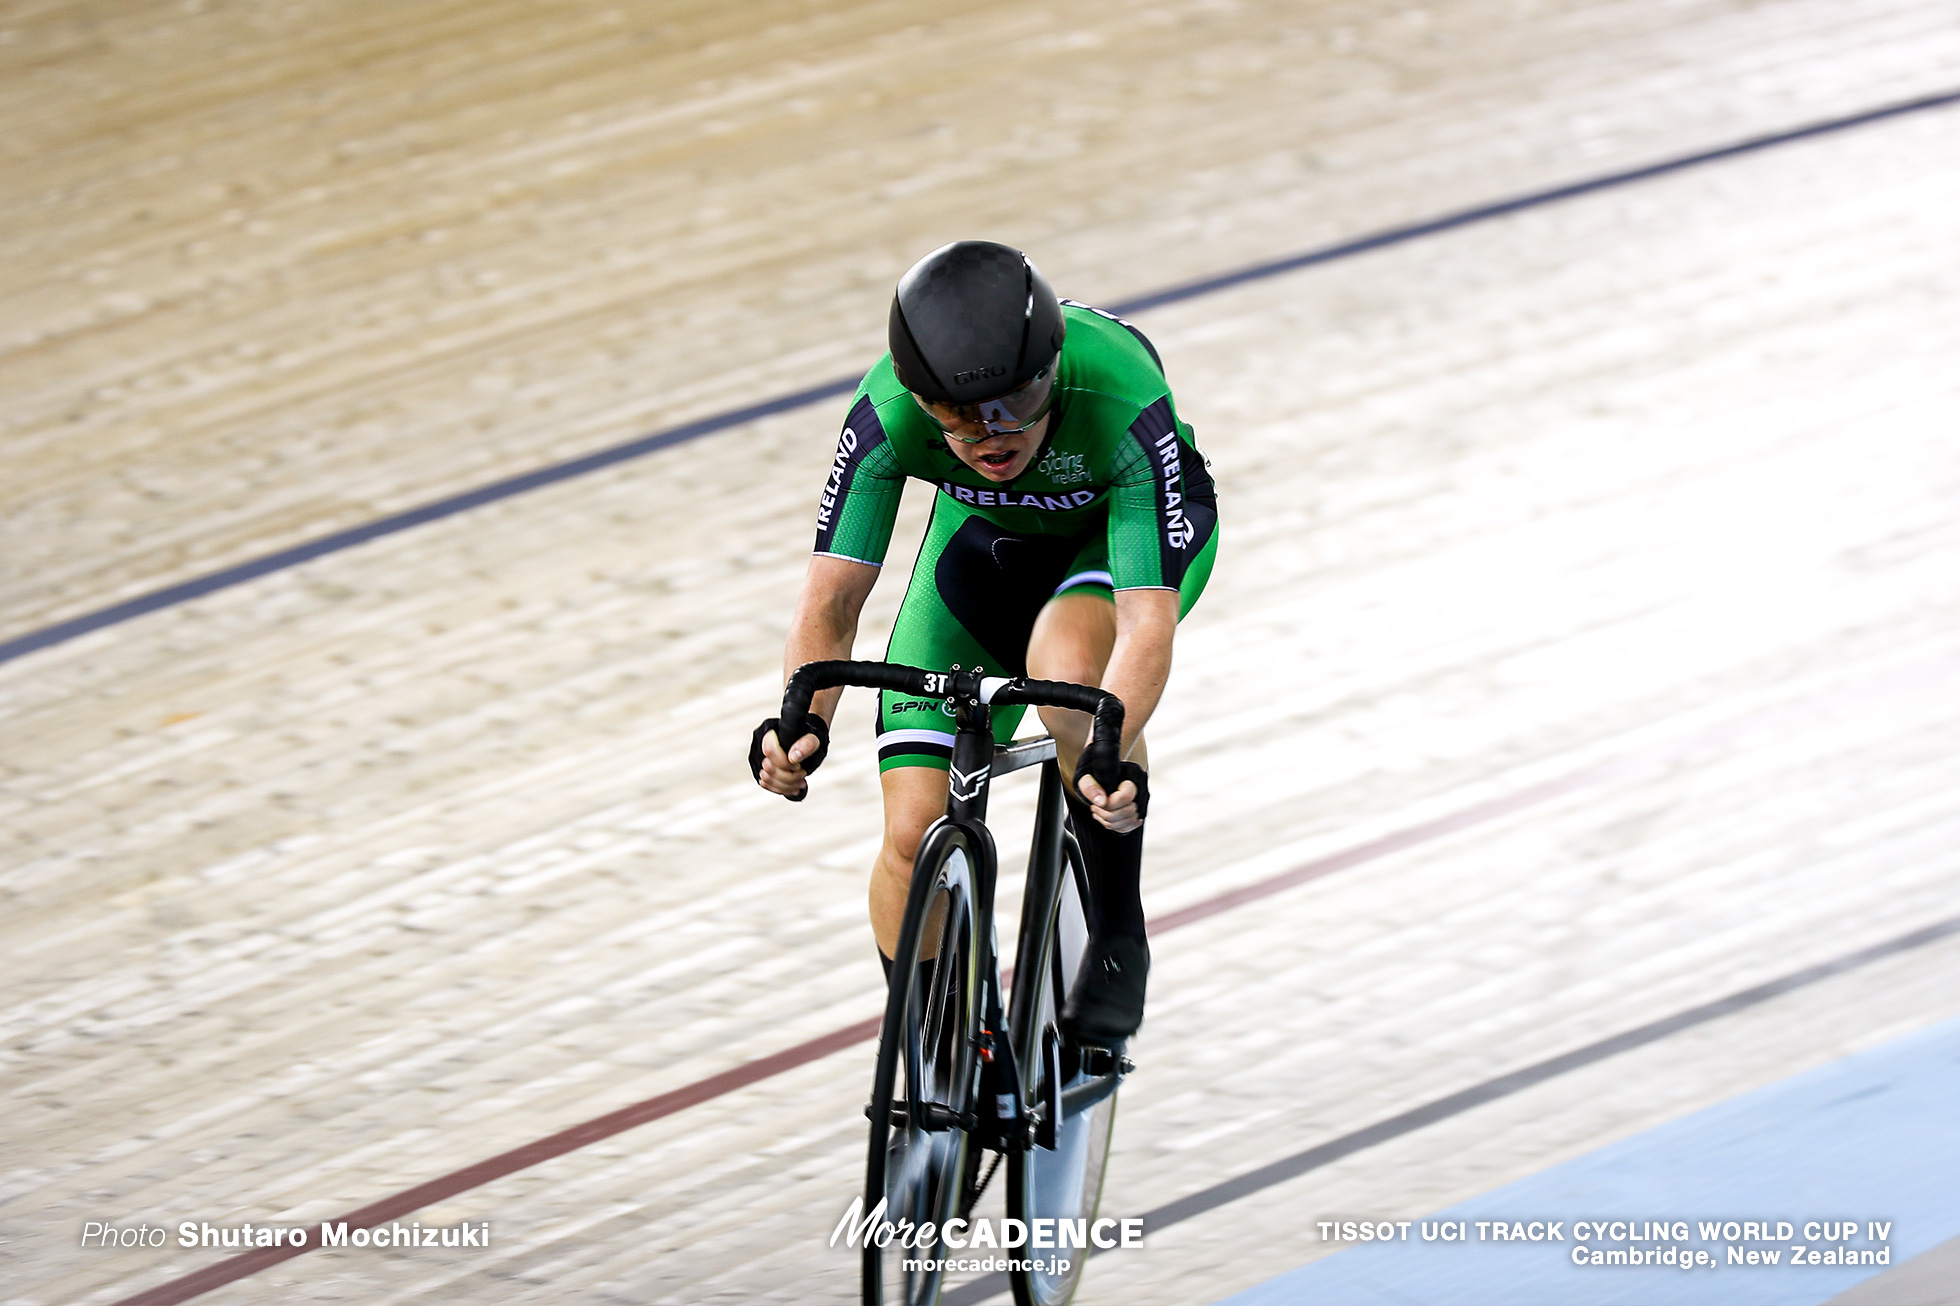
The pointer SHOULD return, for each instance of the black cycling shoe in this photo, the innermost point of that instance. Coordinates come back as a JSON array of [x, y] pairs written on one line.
[[1105, 1005]]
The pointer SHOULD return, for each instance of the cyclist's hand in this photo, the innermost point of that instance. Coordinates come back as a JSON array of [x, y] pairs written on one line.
[[1122, 811], [783, 773], [787, 773]]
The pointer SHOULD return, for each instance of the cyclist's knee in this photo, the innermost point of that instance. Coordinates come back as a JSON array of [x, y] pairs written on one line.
[[1072, 639], [1076, 666], [915, 797], [895, 858], [1071, 730]]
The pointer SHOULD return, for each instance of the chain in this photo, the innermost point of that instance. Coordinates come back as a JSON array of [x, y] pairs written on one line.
[[985, 1179]]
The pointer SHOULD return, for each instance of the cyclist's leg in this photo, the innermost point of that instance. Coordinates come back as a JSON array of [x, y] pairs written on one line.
[[1073, 637], [915, 797], [1073, 640], [974, 595]]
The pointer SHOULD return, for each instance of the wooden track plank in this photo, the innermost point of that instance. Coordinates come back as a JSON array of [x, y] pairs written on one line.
[[333, 279], [323, 887]]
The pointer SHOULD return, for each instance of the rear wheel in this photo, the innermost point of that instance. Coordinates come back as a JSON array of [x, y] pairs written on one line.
[[923, 1096], [1061, 1177]]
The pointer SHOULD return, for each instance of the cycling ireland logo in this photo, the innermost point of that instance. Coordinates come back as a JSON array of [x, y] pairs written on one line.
[[1063, 468]]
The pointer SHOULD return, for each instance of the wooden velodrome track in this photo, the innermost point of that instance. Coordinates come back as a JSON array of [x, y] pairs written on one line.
[[1591, 575]]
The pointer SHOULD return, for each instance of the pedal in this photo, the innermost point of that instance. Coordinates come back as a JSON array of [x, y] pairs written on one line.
[[1096, 1061], [933, 1117], [1048, 1112], [898, 1114]]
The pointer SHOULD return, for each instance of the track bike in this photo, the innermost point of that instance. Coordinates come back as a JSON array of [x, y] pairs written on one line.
[[966, 1063]]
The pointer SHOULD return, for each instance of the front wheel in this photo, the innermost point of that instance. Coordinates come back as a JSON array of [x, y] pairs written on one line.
[[924, 1094], [1062, 1181]]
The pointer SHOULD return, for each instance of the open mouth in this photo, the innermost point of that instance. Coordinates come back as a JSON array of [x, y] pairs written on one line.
[[999, 459]]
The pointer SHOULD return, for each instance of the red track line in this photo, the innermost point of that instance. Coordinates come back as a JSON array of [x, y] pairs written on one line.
[[1423, 832], [752, 1072], [518, 1158]]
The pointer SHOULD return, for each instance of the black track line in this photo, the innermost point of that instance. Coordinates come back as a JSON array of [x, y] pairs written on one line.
[[252, 569]]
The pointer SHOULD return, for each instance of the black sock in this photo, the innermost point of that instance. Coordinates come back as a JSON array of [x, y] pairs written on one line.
[[925, 970], [1114, 863]]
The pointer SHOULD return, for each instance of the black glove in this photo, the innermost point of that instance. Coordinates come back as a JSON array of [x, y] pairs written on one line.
[[1128, 771], [812, 724]]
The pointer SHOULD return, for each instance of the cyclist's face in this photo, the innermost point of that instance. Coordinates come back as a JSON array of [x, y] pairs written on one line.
[[997, 457]]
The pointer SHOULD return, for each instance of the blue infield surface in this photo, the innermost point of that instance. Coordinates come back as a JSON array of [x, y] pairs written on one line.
[[1871, 1142]]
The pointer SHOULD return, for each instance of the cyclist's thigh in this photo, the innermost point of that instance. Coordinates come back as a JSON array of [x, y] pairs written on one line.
[[974, 595], [1073, 637], [1076, 631]]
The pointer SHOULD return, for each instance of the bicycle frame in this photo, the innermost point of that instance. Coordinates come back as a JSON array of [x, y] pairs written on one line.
[[975, 762], [992, 1108], [1016, 1123]]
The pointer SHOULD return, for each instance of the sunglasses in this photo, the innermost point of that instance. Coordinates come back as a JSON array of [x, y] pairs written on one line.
[[1010, 414]]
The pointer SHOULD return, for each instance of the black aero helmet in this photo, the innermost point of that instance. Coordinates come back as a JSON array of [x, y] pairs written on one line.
[[971, 321]]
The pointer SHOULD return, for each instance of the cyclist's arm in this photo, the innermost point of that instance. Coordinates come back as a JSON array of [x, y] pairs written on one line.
[[825, 622], [823, 626], [1146, 562], [1140, 664], [854, 527], [1139, 667]]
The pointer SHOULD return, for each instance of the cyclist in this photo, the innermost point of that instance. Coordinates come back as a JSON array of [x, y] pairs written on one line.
[[1074, 523]]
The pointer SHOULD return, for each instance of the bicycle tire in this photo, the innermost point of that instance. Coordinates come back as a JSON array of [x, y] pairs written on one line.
[[1064, 1183], [927, 1054]]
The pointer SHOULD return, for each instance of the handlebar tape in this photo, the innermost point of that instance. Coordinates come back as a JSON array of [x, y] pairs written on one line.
[[1103, 754]]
